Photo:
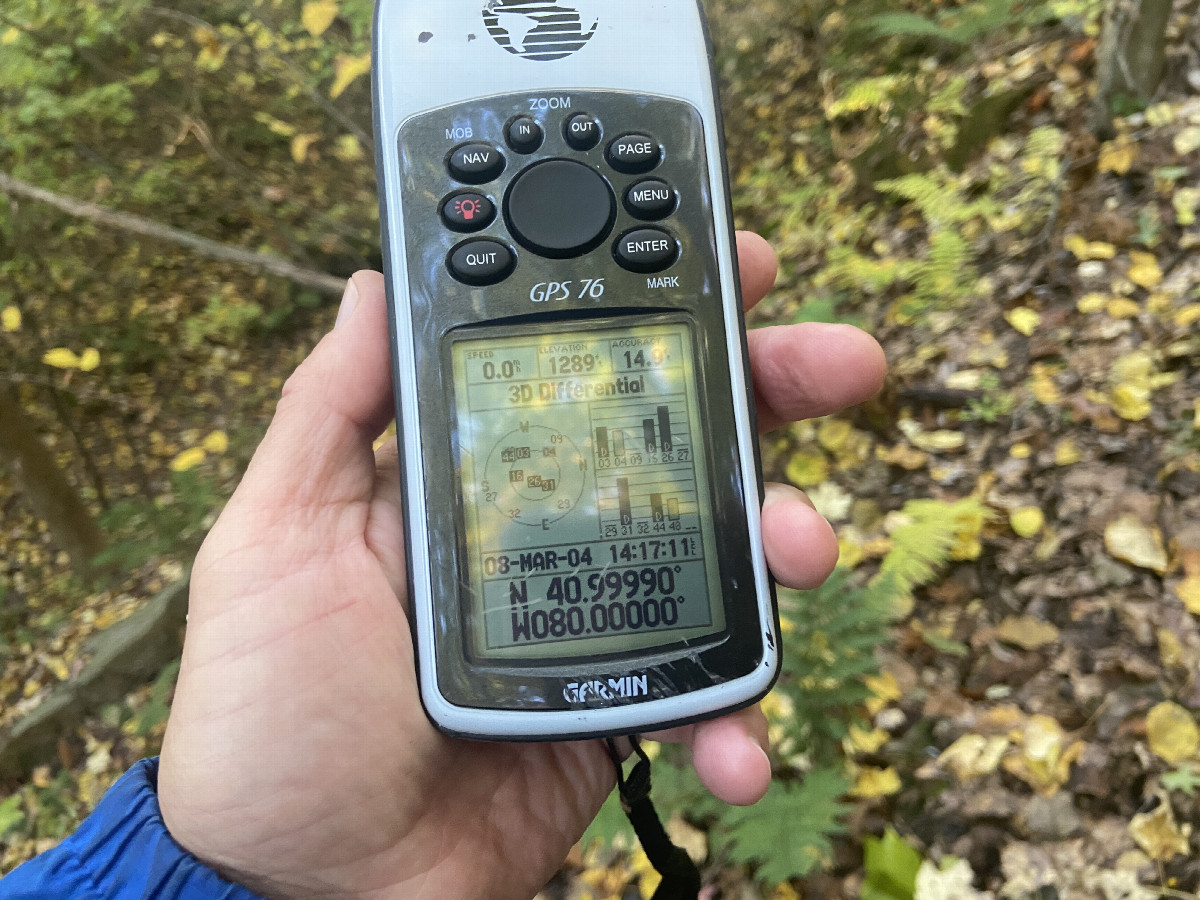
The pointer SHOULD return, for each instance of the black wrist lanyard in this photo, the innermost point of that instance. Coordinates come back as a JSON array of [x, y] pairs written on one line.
[[680, 877]]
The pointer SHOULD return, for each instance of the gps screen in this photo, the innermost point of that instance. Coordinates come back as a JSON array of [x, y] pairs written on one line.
[[585, 492]]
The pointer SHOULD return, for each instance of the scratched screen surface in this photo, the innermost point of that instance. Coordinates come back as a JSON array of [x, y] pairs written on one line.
[[586, 498]]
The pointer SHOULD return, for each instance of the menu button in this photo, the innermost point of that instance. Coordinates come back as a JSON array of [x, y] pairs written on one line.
[[651, 199]]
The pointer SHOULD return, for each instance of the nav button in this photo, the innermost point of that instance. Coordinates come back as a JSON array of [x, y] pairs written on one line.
[[481, 262], [646, 250], [475, 163]]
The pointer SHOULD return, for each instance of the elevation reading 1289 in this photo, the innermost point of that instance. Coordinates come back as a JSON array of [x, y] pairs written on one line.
[[586, 496]]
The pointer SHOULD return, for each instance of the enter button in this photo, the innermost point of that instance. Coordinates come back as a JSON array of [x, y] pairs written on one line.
[[646, 250]]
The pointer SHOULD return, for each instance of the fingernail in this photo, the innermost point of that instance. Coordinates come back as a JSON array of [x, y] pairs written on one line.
[[349, 302], [783, 493]]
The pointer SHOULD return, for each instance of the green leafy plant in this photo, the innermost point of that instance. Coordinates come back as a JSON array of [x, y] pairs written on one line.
[[891, 868], [154, 714], [1185, 779], [829, 640], [959, 26], [143, 529]]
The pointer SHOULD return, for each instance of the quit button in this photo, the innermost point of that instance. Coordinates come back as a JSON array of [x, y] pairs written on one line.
[[481, 262]]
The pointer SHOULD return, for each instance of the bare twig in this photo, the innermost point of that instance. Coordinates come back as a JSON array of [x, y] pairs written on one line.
[[265, 262]]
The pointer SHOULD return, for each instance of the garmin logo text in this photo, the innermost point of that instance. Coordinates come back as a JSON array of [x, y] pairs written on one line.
[[613, 689], [541, 30]]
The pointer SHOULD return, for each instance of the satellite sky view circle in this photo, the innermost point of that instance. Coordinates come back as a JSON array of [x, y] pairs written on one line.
[[537, 29]]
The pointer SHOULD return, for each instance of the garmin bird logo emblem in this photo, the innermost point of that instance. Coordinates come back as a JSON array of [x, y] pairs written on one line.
[[542, 31]]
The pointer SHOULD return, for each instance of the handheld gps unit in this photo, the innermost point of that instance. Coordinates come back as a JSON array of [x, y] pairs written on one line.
[[576, 426]]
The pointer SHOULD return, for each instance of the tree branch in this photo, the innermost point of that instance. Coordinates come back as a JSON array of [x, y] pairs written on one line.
[[275, 265]]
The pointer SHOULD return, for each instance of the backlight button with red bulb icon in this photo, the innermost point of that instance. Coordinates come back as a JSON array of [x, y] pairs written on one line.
[[468, 212]]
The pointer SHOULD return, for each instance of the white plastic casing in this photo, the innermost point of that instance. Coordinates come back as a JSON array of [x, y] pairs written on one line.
[[433, 53]]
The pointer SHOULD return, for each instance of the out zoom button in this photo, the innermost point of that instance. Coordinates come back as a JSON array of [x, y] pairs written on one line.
[[481, 262], [475, 163], [646, 250]]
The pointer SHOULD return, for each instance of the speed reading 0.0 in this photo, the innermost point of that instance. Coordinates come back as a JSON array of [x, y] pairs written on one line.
[[577, 453]]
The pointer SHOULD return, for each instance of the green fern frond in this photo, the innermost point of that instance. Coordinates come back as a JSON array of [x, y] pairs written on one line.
[[869, 93], [931, 532]]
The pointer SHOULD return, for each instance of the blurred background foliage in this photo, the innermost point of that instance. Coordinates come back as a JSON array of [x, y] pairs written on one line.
[[942, 173]]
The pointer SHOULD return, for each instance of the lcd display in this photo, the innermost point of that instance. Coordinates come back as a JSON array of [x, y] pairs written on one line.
[[585, 492]]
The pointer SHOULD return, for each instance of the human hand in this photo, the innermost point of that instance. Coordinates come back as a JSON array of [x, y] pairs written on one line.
[[298, 760]]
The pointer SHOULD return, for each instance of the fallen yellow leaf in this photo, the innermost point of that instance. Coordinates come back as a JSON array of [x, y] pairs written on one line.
[[973, 756], [1083, 249], [1093, 302], [1186, 201], [1118, 156], [61, 358], [863, 741], [1172, 733], [1187, 315], [1160, 114], [346, 70], [90, 360], [1026, 632], [807, 469], [1045, 391], [301, 144], [10, 37], [833, 434], [1188, 591], [10, 319], [1066, 453], [1131, 402], [188, 459], [1131, 541], [1144, 270], [1187, 140], [1122, 308], [217, 442], [884, 690], [1158, 834], [873, 783], [1023, 319], [348, 149], [931, 441], [318, 15], [1042, 758], [1027, 521]]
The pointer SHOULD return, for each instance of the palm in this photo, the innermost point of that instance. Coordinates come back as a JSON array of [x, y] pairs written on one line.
[[345, 756], [298, 759]]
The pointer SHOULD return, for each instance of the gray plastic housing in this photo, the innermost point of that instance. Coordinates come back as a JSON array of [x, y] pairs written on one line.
[[444, 75]]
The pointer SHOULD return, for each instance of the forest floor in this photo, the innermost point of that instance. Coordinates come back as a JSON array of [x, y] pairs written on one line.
[[1035, 724]]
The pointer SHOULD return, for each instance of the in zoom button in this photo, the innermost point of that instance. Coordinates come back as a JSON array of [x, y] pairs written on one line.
[[646, 250], [475, 163], [481, 262]]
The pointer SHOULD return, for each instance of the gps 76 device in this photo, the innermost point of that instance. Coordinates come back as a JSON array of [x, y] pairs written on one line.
[[576, 427]]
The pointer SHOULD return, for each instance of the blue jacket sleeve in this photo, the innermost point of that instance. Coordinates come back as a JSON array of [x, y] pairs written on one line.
[[122, 851]]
